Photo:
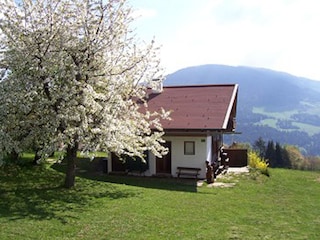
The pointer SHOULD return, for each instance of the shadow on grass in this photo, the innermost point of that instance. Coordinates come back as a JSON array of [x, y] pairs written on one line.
[[36, 193], [93, 170], [170, 184]]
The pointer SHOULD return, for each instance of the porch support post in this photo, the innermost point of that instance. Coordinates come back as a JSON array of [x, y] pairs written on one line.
[[209, 149]]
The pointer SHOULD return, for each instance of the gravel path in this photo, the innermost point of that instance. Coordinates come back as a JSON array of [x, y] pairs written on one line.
[[231, 170]]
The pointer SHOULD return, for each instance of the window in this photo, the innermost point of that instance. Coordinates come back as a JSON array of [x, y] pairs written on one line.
[[189, 148]]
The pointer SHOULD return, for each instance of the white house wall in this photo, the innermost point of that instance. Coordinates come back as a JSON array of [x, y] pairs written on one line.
[[178, 159], [152, 165]]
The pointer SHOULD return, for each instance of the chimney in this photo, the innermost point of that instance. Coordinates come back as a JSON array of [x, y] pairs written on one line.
[[157, 85]]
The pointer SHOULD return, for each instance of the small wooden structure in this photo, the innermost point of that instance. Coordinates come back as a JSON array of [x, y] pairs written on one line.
[[237, 157], [200, 116]]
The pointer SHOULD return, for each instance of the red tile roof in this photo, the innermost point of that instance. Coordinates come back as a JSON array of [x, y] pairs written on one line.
[[199, 107]]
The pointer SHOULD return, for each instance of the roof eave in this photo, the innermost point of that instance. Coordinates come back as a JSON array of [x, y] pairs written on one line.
[[199, 132], [232, 100]]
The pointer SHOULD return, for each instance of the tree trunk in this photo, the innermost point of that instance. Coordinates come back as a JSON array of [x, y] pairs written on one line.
[[71, 166], [36, 157], [14, 156]]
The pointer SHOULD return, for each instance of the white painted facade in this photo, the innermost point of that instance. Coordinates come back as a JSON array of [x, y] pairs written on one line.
[[203, 153], [179, 159]]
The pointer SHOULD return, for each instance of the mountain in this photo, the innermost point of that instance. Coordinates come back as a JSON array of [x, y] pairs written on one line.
[[272, 105]]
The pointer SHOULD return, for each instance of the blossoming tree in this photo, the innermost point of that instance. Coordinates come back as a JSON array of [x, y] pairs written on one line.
[[74, 80]]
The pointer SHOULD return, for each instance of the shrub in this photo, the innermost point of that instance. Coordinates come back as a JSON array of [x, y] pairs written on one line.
[[258, 163]]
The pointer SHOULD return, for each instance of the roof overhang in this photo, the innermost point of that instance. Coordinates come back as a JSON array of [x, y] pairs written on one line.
[[232, 101], [196, 132], [236, 133]]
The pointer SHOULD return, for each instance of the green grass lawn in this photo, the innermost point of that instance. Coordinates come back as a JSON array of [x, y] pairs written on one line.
[[34, 206]]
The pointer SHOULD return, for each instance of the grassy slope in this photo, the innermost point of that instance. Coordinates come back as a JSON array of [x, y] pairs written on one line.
[[33, 206]]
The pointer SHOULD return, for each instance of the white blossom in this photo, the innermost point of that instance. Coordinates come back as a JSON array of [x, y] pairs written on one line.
[[75, 73]]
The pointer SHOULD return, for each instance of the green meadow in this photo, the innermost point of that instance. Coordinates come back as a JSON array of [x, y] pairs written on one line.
[[33, 205], [271, 119]]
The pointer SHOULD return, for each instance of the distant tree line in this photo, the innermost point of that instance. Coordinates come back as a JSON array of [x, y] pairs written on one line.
[[308, 145], [285, 156]]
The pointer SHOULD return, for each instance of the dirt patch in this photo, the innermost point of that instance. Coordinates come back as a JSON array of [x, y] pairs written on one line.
[[228, 176], [222, 184], [216, 184]]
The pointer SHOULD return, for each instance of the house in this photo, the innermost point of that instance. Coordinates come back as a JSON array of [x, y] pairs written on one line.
[[201, 114]]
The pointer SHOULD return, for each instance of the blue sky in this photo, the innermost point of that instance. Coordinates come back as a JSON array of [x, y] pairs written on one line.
[[281, 35]]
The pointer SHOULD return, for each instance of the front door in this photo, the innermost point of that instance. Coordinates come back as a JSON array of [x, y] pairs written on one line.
[[163, 165]]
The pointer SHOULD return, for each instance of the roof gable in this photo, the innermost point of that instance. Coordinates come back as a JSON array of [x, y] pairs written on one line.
[[199, 107]]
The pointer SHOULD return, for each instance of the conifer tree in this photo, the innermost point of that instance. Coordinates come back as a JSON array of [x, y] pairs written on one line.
[[278, 156], [260, 146], [270, 153]]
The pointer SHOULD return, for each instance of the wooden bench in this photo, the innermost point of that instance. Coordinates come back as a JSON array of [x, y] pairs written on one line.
[[188, 171]]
